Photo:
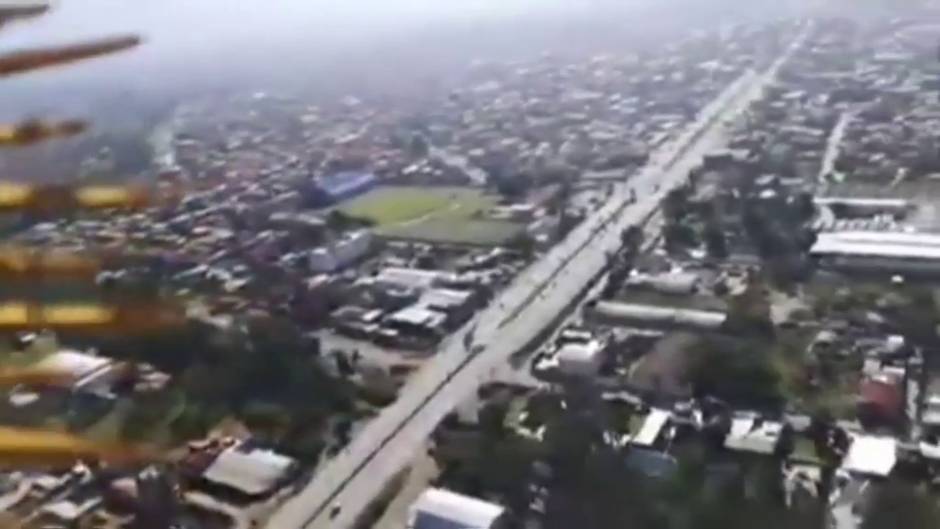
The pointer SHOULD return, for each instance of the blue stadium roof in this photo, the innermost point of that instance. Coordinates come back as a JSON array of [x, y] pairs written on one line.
[[345, 182]]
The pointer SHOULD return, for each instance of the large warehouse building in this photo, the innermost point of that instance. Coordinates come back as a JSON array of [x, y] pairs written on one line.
[[879, 252]]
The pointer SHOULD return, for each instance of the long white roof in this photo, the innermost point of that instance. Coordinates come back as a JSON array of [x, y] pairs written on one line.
[[878, 244], [659, 314]]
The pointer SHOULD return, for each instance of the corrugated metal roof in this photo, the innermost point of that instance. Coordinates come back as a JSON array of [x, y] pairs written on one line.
[[878, 244], [654, 314]]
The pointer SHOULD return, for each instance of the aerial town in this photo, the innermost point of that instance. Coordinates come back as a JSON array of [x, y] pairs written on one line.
[[688, 287]]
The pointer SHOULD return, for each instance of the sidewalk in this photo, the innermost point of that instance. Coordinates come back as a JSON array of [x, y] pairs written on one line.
[[420, 475]]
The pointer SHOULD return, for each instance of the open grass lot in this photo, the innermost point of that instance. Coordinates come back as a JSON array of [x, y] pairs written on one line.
[[433, 214]]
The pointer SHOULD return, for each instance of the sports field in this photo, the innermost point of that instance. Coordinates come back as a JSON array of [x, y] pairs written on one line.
[[434, 214]]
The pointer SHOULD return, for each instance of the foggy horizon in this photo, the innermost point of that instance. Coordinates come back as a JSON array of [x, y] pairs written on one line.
[[215, 45]]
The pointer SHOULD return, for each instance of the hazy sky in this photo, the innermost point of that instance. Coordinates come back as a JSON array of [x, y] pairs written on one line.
[[193, 44], [198, 41], [201, 27]]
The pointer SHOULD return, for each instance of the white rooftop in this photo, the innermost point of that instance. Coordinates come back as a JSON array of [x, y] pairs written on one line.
[[651, 428], [580, 352], [750, 434], [253, 471], [655, 314], [878, 244], [419, 317], [871, 455], [412, 277], [443, 509], [931, 413]]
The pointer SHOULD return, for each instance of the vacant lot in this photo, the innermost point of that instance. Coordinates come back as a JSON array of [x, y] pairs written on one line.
[[434, 214]]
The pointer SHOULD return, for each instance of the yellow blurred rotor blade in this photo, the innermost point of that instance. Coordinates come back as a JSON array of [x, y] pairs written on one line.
[[33, 376], [90, 318], [15, 196], [107, 197], [56, 199], [29, 448], [27, 60], [34, 131], [21, 262]]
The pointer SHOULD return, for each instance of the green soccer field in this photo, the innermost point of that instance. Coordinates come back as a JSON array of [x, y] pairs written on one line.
[[434, 214]]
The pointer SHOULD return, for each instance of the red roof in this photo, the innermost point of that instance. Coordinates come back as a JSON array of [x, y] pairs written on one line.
[[884, 397]]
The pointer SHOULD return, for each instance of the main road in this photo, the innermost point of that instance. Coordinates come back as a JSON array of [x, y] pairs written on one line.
[[515, 318]]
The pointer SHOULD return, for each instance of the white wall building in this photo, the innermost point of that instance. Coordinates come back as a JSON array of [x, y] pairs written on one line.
[[890, 252], [580, 359], [630, 314], [251, 471], [342, 252], [443, 509]]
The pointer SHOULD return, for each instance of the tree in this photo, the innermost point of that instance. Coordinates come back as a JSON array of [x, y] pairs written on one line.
[[715, 241], [896, 504], [514, 186], [525, 244], [676, 204], [631, 238], [338, 220], [737, 371], [591, 484], [419, 146], [918, 318], [678, 235], [749, 312]]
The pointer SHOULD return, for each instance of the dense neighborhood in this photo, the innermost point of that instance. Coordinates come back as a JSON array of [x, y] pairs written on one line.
[[687, 286]]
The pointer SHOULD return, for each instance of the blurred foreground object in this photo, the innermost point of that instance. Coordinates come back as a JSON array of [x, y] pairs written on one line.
[[27, 60], [35, 264], [90, 318], [59, 199], [34, 131], [18, 11], [33, 376], [37, 448]]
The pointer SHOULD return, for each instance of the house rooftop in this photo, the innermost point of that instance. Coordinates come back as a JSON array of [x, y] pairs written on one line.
[[871, 455], [749, 433], [443, 509], [252, 471]]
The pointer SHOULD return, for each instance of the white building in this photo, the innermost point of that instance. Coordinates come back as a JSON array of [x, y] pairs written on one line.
[[253, 472], [750, 433], [413, 278], [893, 252], [580, 359], [871, 455], [84, 371], [675, 283], [342, 252], [630, 314], [866, 206], [652, 428], [443, 509]]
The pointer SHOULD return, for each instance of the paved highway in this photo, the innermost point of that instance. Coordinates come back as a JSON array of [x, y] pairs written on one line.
[[517, 316]]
